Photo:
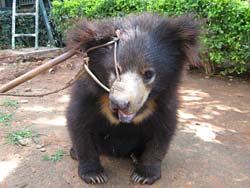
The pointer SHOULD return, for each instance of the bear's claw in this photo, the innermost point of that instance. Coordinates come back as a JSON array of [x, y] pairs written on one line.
[[95, 178], [146, 174], [136, 178], [92, 172]]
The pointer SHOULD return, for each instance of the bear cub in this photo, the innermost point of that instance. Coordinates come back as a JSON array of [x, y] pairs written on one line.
[[137, 117]]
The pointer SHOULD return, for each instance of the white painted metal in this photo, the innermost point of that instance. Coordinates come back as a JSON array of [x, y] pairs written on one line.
[[26, 14], [14, 15], [13, 24], [25, 35], [36, 23]]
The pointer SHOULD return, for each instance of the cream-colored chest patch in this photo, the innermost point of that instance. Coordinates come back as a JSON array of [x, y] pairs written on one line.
[[105, 110]]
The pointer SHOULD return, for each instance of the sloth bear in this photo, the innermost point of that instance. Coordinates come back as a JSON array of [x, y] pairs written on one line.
[[137, 118]]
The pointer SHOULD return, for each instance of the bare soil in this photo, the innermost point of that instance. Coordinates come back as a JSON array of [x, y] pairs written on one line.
[[211, 148]]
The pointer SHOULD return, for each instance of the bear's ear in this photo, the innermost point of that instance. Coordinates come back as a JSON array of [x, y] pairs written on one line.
[[87, 34], [183, 32]]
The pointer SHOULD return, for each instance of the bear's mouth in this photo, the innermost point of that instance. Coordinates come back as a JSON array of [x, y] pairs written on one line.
[[123, 116], [116, 116], [126, 117]]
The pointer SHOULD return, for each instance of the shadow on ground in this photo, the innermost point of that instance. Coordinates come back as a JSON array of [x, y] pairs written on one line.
[[210, 150]]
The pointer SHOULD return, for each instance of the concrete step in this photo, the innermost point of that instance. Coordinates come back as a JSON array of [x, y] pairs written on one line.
[[27, 54]]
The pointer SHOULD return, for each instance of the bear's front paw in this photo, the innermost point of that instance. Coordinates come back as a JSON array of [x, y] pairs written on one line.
[[146, 174], [92, 172]]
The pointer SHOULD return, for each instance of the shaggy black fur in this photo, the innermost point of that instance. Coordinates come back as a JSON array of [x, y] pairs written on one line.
[[146, 40]]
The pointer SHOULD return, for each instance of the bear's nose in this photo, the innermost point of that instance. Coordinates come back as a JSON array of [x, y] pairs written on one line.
[[118, 104]]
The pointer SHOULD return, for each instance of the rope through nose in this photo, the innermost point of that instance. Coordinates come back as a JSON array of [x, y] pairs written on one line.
[[116, 63], [86, 61]]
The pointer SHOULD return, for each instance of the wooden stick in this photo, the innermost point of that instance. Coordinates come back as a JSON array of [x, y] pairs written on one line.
[[31, 74]]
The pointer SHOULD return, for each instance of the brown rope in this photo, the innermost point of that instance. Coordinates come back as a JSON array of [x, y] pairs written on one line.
[[86, 60], [68, 84], [86, 65], [118, 33], [103, 45]]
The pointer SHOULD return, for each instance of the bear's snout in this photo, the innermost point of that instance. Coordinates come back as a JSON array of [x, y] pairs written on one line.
[[118, 104], [120, 107], [127, 96]]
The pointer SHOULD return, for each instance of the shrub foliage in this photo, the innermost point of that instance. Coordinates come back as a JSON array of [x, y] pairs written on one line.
[[225, 39]]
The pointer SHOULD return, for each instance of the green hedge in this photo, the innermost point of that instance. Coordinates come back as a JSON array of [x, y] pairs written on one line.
[[23, 25], [226, 24]]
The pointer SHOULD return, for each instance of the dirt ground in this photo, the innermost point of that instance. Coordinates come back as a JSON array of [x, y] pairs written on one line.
[[211, 148]]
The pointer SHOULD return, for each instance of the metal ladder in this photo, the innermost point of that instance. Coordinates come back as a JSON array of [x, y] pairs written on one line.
[[15, 14]]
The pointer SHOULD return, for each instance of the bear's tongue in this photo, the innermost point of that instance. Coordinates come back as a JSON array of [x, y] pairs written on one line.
[[125, 118]]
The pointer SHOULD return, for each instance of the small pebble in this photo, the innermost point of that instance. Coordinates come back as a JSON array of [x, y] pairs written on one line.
[[18, 156], [43, 149], [70, 66], [24, 142], [52, 71], [33, 170], [206, 77], [27, 89], [23, 101], [38, 146]]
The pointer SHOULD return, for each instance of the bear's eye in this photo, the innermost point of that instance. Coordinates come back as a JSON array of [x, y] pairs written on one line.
[[148, 75]]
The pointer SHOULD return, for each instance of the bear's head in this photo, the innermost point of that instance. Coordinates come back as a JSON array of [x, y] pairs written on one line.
[[151, 53]]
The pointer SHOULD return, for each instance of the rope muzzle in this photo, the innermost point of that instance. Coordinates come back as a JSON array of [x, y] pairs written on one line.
[[86, 62]]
